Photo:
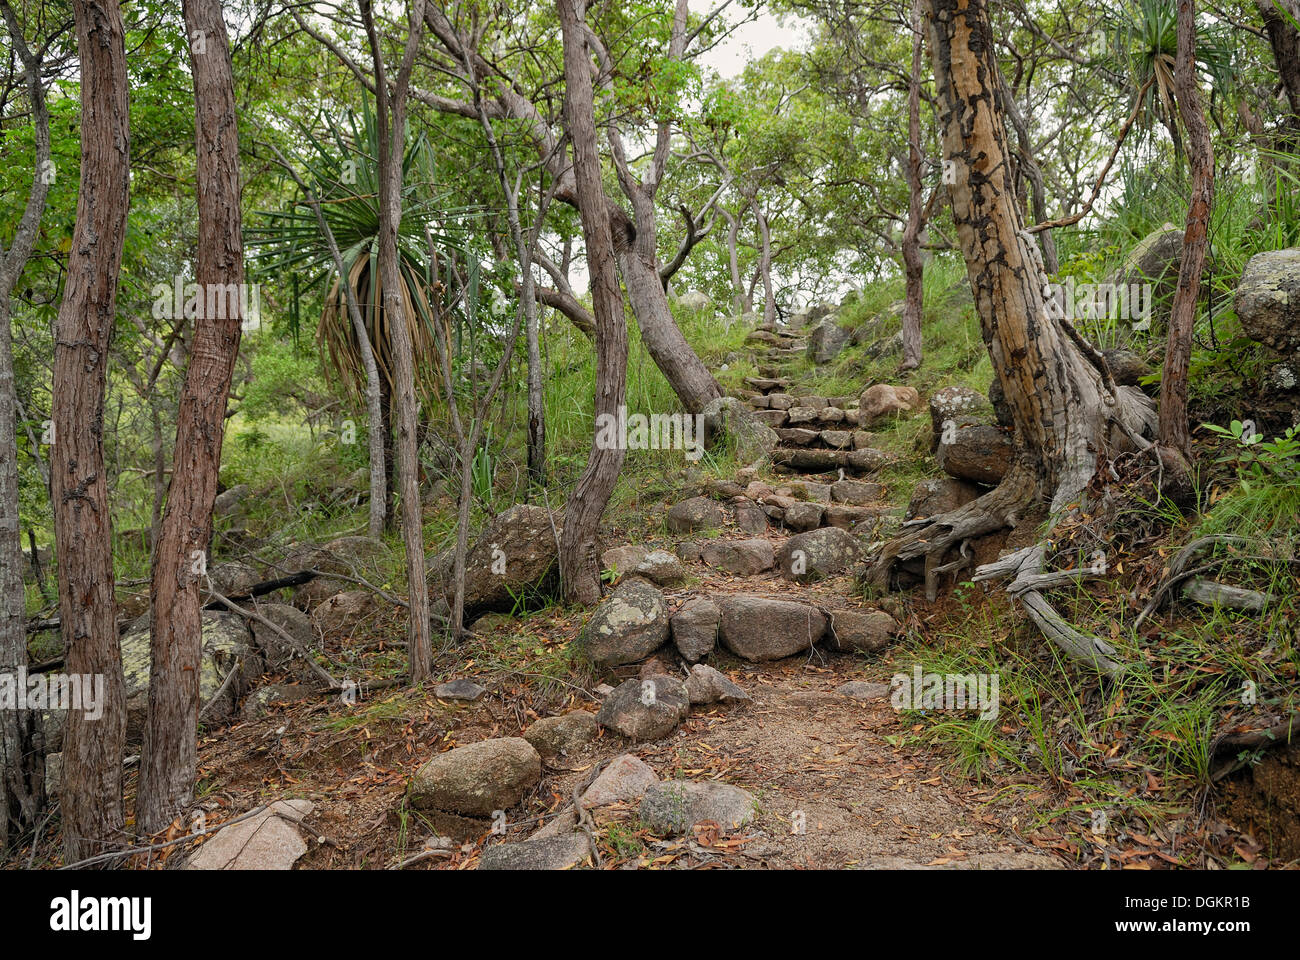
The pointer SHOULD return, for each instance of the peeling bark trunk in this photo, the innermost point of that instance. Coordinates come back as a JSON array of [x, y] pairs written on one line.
[[579, 568], [170, 754], [92, 749], [765, 263], [1066, 407]]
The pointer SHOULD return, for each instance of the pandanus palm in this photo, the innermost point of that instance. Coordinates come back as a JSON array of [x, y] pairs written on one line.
[[1143, 39], [341, 175]]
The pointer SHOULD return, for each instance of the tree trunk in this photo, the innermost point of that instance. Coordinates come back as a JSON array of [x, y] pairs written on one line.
[[1065, 405], [1174, 434], [913, 300], [1282, 22], [765, 263], [390, 120], [22, 764], [92, 749], [662, 338], [579, 568], [170, 755], [738, 300]]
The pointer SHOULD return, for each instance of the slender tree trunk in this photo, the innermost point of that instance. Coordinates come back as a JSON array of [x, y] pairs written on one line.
[[738, 300], [390, 118], [913, 299], [92, 748], [22, 764], [579, 568], [170, 755], [765, 263], [1174, 434], [389, 451]]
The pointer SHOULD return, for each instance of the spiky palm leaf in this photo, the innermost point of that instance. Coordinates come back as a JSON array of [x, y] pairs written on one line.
[[342, 171], [1143, 41]]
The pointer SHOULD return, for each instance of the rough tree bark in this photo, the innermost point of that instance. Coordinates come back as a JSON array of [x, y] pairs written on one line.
[[1175, 437], [92, 749], [1066, 407], [168, 760], [22, 765], [579, 568], [390, 121], [912, 264]]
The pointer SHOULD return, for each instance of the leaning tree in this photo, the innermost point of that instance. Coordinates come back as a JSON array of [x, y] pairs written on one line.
[[1068, 412]]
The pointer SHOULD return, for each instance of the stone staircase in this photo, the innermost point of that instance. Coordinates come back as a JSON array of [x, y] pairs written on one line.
[[817, 435]]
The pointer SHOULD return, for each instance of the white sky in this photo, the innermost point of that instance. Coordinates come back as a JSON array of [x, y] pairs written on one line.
[[750, 41]]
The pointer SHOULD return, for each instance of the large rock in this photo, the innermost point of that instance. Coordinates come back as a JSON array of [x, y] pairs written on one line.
[[623, 559], [975, 451], [226, 647], [343, 613], [1126, 367], [751, 438], [514, 557], [552, 736], [697, 513], [562, 852], [645, 709], [941, 495], [745, 558], [756, 628], [817, 554], [825, 341], [268, 841], [350, 556], [956, 403], [804, 515], [696, 301], [880, 401], [630, 624], [866, 631], [695, 628], [1268, 299], [477, 779], [1156, 259], [290, 620], [229, 505], [673, 807]]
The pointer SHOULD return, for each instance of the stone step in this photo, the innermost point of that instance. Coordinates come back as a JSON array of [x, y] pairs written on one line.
[[816, 460]]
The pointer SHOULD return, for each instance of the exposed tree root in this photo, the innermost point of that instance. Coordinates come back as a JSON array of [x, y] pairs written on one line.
[[1000, 508]]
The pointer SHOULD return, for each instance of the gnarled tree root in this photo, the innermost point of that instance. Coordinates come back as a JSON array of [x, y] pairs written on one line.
[[995, 510]]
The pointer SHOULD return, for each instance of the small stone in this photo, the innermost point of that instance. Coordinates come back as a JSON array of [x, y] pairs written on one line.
[[476, 779], [707, 685], [868, 631], [562, 852], [862, 690], [458, 690], [697, 513], [804, 516], [745, 558]]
